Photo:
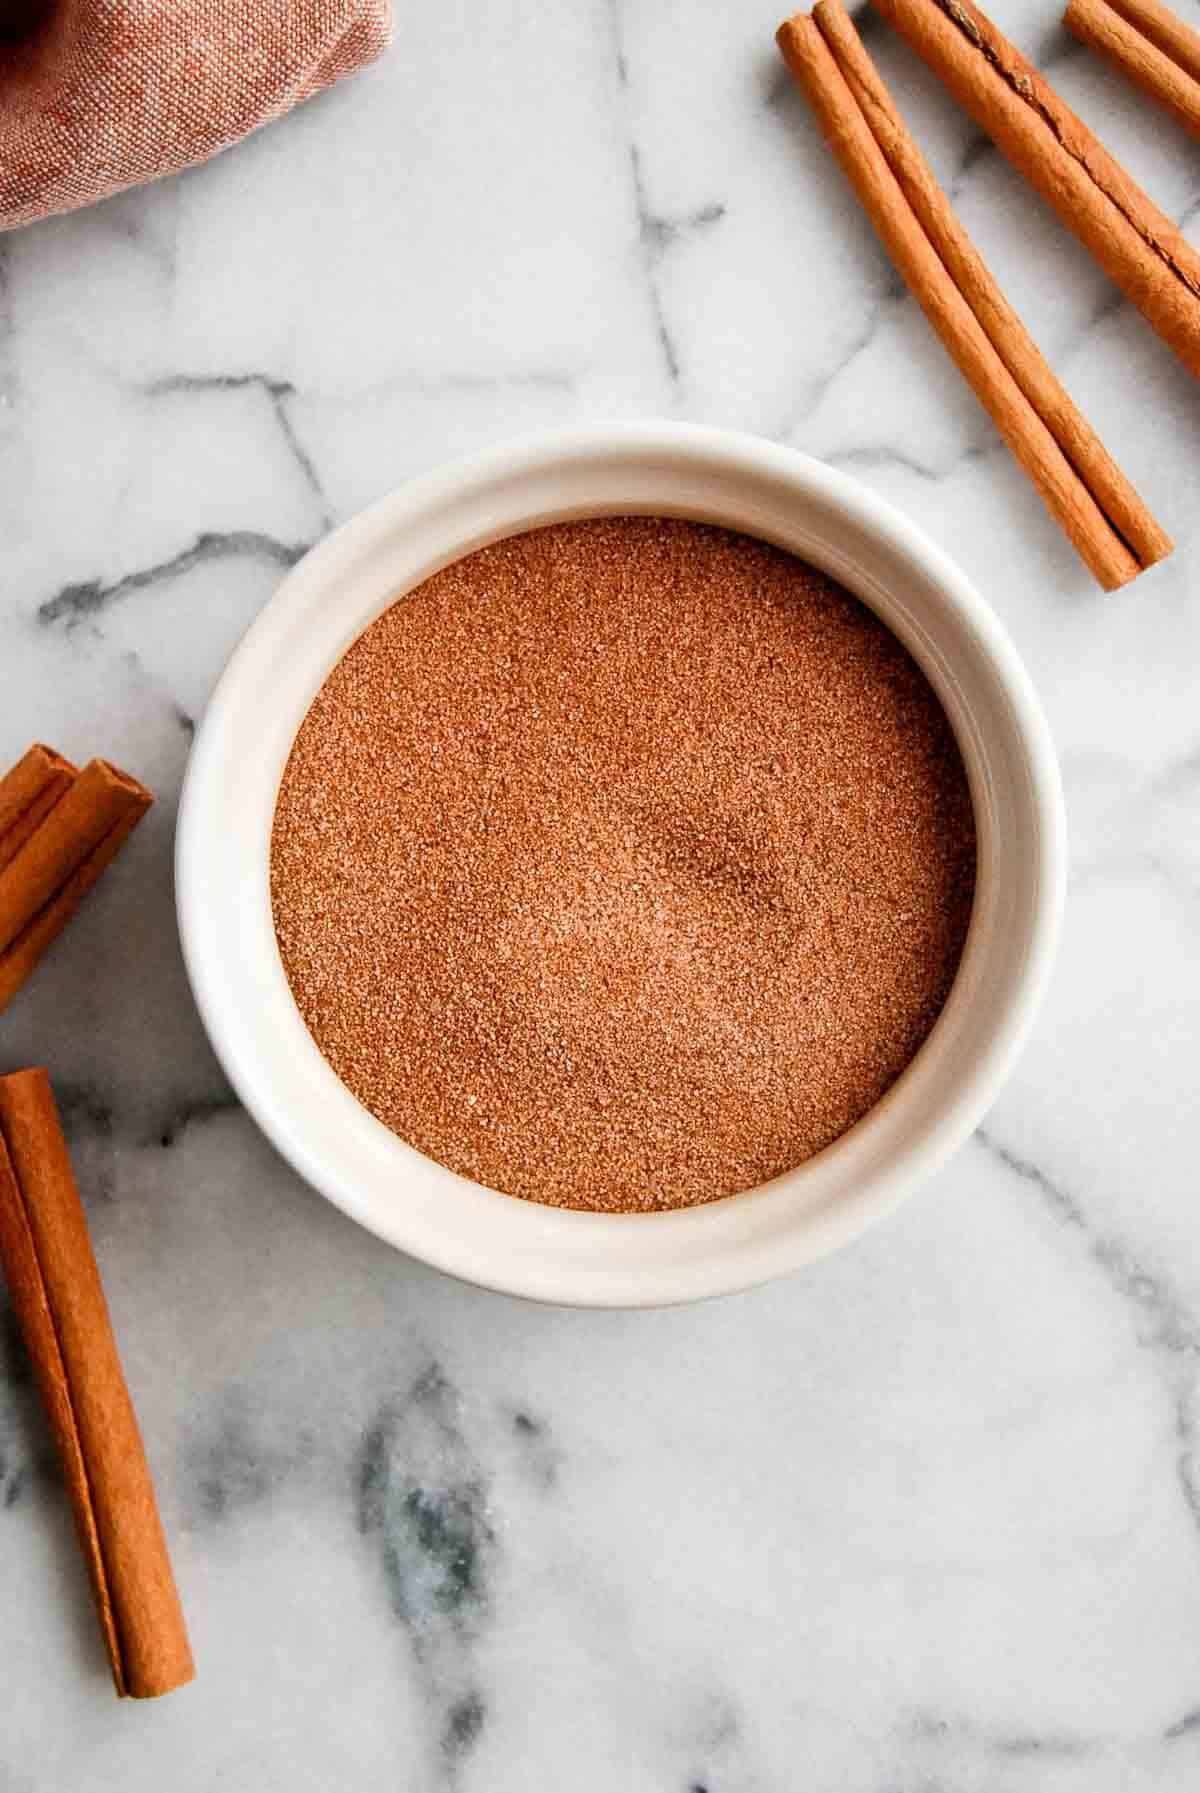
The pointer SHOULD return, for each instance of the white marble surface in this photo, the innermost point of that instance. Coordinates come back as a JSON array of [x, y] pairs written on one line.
[[925, 1519]]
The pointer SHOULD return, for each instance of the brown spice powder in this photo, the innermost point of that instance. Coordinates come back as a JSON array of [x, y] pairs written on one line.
[[623, 864]]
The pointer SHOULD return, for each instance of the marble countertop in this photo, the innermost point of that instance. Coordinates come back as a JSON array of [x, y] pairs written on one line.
[[925, 1519]]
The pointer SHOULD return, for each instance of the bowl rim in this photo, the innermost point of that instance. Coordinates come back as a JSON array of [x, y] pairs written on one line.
[[664, 1257]]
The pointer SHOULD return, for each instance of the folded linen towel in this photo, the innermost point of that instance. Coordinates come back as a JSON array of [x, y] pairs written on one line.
[[96, 95]]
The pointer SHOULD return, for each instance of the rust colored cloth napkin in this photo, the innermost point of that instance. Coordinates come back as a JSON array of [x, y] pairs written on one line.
[[96, 95]]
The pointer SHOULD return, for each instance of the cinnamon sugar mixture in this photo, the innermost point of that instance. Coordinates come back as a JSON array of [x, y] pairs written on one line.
[[624, 864]]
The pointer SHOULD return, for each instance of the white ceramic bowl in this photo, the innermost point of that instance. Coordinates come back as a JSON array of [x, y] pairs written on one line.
[[325, 603]]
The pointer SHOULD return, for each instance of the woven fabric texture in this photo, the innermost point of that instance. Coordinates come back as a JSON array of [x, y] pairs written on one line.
[[96, 95]]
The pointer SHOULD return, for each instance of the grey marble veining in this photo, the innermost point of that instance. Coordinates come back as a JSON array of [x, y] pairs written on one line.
[[925, 1519]]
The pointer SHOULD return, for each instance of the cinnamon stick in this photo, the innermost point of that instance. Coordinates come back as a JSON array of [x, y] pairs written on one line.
[[27, 795], [1081, 486], [55, 849], [1147, 44], [56, 1294], [1164, 29], [1137, 244]]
